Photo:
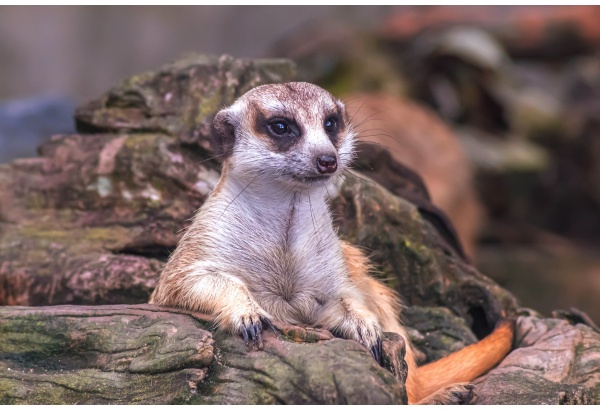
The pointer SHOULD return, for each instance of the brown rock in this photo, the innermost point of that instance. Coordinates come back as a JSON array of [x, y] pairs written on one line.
[[553, 363], [125, 354], [180, 98]]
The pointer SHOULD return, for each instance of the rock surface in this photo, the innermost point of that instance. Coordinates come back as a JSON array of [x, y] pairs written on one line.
[[144, 354], [91, 221], [180, 98], [555, 363], [102, 355]]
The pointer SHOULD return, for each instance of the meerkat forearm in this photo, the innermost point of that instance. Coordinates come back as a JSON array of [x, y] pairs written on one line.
[[221, 295]]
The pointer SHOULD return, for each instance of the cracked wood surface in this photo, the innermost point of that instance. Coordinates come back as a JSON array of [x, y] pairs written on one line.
[[555, 362], [123, 354]]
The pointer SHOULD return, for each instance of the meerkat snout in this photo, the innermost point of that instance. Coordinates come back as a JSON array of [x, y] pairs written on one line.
[[326, 164]]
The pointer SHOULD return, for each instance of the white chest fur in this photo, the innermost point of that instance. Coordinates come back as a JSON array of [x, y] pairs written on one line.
[[280, 243]]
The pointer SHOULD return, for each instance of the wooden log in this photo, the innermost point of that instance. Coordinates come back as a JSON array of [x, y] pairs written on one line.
[[126, 354]]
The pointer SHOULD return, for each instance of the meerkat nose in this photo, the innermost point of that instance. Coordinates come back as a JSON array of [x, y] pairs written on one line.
[[326, 164]]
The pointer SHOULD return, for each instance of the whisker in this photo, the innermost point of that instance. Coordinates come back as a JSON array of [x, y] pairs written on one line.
[[379, 144], [236, 197], [372, 129], [207, 159], [327, 190], [386, 147], [363, 179], [363, 168], [312, 214], [357, 111], [370, 117], [379, 135], [348, 183]]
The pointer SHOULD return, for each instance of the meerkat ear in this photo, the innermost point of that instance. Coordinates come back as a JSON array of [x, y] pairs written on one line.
[[223, 134]]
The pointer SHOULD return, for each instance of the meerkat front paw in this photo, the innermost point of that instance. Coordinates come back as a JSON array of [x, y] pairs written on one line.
[[251, 329], [246, 320], [369, 335], [366, 331]]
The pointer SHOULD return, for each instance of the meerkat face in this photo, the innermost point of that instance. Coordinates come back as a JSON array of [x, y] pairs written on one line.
[[296, 133]]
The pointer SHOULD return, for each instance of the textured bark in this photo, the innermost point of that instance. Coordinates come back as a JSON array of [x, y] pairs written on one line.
[[411, 255], [124, 354], [107, 354], [436, 332], [555, 363]]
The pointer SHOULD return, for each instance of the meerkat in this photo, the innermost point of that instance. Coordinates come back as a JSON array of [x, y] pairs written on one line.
[[263, 246]]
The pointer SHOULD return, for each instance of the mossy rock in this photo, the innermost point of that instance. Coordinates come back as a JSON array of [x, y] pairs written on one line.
[[180, 98], [144, 354]]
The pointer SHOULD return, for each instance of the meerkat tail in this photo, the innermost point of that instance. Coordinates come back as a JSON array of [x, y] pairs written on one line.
[[463, 365]]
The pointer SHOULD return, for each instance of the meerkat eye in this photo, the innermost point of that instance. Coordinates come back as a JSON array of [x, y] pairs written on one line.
[[330, 125], [279, 127]]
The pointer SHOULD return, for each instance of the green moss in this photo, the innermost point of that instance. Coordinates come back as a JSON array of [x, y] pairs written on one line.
[[35, 200], [136, 80], [103, 234], [416, 251], [207, 107], [142, 143], [41, 233]]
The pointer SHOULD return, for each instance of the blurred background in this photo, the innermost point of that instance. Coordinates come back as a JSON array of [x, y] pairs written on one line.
[[496, 107]]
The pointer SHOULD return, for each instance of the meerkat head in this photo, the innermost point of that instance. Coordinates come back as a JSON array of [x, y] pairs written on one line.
[[295, 133]]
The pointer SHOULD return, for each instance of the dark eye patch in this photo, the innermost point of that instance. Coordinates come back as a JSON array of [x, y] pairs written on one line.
[[281, 132], [279, 127]]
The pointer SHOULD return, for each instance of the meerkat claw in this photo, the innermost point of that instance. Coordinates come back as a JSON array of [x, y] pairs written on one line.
[[268, 323], [259, 335], [251, 331], [256, 331], [244, 333], [377, 351], [466, 396], [374, 353]]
